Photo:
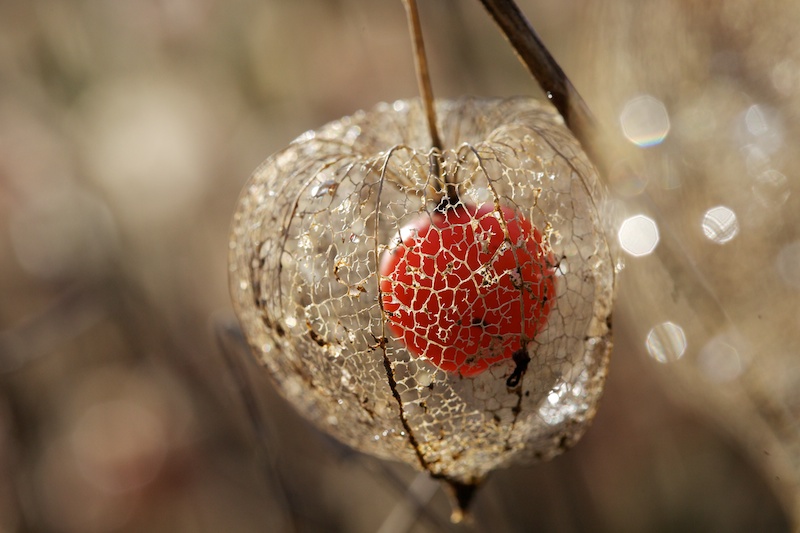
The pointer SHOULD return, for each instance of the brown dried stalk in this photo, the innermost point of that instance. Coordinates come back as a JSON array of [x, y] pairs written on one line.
[[552, 79]]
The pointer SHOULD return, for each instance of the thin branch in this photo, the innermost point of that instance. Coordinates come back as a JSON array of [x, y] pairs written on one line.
[[533, 53], [233, 346], [423, 75]]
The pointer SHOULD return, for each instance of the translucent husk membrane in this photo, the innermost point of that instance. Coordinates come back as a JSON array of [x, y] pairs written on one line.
[[309, 233]]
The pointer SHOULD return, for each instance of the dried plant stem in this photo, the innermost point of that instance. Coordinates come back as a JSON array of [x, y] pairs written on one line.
[[423, 75], [533, 53]]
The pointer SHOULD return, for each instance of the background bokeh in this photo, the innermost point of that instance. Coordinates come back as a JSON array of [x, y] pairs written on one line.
[[127, 129]]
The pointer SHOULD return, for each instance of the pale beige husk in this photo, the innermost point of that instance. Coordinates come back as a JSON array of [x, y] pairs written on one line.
[[309, 231]]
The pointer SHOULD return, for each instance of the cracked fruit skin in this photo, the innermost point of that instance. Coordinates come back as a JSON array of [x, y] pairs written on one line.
[[468, 286]]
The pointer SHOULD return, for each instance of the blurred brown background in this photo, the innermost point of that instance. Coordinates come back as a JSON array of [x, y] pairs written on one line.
[[127, 129]]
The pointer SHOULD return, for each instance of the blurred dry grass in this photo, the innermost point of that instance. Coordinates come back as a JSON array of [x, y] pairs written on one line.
[[126, 131]]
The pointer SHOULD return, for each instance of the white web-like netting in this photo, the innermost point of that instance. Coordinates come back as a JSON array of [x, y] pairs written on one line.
[[446, 309]]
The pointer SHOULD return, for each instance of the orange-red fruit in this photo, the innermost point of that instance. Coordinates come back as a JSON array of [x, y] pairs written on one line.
[[468, 287]]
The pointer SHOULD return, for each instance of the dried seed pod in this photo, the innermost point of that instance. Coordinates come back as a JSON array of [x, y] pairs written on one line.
[[447, 309]]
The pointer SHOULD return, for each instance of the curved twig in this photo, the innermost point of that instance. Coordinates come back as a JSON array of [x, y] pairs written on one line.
[[547, 72]]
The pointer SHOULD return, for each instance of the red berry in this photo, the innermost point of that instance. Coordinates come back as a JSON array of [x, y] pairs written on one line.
[[462, 292]]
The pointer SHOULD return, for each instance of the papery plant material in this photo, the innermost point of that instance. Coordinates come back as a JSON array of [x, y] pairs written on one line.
[[447, 309]]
